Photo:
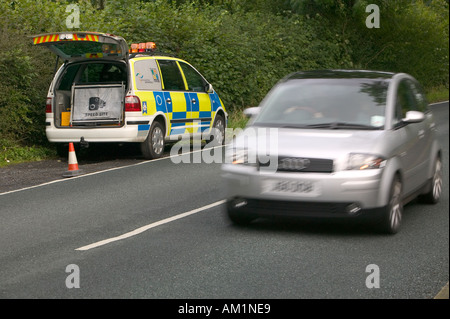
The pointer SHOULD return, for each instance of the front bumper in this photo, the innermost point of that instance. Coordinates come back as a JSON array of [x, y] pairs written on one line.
[[274, 208], [340, 194]]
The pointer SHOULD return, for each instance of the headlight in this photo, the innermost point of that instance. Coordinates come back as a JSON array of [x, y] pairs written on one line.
[[240, 156], [365, 161]]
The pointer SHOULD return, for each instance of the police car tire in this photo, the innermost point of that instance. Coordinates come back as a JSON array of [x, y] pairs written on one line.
[[219, 120], [147, 148]]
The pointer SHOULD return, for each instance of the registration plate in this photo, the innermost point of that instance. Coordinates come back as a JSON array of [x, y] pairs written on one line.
[[307, 188]]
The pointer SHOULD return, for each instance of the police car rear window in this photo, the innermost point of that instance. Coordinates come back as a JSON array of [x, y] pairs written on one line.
[[80, 49]]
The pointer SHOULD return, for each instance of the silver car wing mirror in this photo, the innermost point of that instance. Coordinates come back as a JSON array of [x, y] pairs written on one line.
[[252, 111], [414, 117]]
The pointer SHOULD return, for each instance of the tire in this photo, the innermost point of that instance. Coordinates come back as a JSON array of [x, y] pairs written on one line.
[[434, 195], [392, 217], [217, 132], [153, 146], [236, 217]]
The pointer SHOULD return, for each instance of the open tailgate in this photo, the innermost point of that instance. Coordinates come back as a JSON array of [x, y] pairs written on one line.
[[75, 46]]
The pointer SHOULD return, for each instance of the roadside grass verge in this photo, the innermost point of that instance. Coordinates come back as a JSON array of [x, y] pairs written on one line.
[[438, 94], [237, 119], [11, 152]]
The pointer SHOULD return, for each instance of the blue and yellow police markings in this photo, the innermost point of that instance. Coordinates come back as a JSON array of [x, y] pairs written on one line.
[[215, 101], [185, 112], [159, 102], [201, 111], [179, 111]]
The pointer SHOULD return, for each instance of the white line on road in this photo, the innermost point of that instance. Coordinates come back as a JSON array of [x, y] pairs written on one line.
[[149, 226], [108, 170], [443, 102]]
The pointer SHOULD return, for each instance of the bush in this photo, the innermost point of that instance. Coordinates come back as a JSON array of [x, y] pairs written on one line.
[[241, 48], [413, 37], [24, 81]]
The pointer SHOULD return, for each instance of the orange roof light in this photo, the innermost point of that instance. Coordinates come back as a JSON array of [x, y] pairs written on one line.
[[150, 46], [134, 48], [142, 47]]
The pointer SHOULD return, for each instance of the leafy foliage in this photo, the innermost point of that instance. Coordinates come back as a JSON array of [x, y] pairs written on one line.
[[243, 47]]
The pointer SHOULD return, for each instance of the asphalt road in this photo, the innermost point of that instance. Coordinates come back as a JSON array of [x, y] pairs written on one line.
[[177, 244]]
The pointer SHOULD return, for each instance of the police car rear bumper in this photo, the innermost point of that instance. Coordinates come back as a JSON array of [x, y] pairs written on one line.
[[134, 131]]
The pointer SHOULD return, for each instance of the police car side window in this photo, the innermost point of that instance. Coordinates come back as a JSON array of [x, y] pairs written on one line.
[[171, 75], [194, 80]]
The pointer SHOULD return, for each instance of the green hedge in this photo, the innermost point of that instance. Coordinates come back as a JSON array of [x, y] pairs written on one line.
[[242, 50]]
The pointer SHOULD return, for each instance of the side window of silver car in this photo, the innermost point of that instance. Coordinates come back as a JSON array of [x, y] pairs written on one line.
[[405, 101], [419, 96]]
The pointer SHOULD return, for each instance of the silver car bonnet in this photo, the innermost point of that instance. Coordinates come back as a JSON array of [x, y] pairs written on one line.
[[311, 143]]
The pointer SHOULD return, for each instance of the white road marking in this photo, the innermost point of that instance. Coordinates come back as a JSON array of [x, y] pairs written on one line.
[[106, 170], [439, 103], [149, 226]]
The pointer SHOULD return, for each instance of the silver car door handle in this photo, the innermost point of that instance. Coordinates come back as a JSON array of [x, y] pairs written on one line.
[[194, 101], [169, 101]]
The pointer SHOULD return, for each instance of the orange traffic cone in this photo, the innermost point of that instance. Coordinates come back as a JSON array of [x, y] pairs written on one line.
[[73, 164]]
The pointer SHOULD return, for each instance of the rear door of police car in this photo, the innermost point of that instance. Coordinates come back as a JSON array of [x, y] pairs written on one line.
[[174, 89]]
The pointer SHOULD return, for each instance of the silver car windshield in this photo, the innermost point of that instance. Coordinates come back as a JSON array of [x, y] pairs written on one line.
[[326, 103]]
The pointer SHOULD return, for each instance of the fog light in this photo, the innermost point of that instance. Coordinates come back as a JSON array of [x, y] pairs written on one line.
[[353, 208], [238, 203]]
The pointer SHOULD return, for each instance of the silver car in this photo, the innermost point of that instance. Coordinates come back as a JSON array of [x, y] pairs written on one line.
[[335, 144]]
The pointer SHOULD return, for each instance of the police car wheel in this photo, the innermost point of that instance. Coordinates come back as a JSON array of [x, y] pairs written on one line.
[[153, 146], [218, 131]]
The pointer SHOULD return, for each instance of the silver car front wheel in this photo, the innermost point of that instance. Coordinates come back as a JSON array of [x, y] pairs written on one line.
[[392, 218], [434, 194]]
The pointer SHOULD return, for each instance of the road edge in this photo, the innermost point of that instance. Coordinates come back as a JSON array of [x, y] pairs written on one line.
[[443, 294]]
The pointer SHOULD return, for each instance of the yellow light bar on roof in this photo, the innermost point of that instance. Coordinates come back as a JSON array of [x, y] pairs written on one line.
[[65, 37]]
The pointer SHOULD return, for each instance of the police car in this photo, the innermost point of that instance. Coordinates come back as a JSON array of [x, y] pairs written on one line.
[[107, 92]]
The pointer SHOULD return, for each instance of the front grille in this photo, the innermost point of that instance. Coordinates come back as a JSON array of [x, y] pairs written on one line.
[[300, 164], [292, 208]]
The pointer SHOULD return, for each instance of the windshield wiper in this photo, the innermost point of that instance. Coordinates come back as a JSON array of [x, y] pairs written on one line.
[[342, 126], [330, 125]]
